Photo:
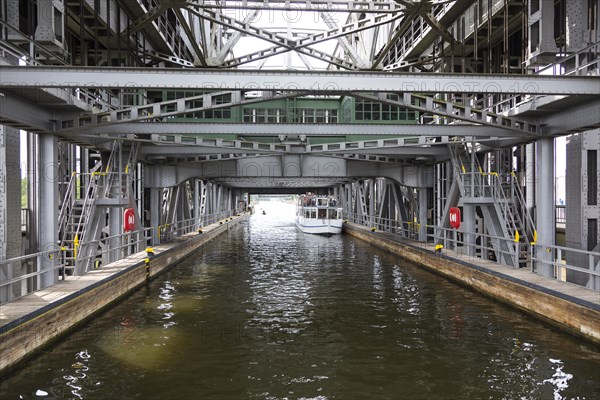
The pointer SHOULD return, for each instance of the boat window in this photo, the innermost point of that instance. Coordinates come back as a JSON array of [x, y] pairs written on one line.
[[313, 213], [322, 214]]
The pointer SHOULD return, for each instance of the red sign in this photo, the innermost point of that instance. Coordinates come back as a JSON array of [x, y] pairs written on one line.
[[128, 220], [455, 217]]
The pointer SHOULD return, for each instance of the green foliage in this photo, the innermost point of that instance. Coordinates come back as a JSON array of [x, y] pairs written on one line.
[[24, 193]]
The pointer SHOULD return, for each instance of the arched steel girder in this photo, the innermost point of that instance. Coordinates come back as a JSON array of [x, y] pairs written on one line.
[[287, 171], [155, 131]]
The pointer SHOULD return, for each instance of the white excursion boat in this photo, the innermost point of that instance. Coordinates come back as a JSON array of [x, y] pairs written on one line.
[[319, 215]]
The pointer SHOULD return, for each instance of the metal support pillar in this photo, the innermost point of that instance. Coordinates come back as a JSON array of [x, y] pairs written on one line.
[[179, 213], [423, 214], [530, 177], [371, 196], [155, 208], [347, 200], [48, 180], [197, 194], [115, 228], [10, 204], [469, 228], [32, 192], [545, 202]]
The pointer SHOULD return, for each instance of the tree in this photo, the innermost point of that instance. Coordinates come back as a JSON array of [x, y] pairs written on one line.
[[24, 193]]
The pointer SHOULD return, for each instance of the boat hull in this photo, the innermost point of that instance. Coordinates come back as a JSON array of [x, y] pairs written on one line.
[[330, 227]]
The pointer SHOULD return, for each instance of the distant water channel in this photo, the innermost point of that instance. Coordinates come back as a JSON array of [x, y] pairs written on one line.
[[267, 312]]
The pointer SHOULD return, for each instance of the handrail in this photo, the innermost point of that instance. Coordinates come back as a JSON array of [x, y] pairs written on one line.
[[507, 102], [504, 203], [560, 214], [33, 258], [554, 256], [449, 239], [66, 204], [513, 248], [523, 206], [143, 237], [70, 199], [566, 58], [478, 189]]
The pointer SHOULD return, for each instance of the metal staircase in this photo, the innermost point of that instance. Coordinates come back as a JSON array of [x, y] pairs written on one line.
[[82, 218], [500, 198]]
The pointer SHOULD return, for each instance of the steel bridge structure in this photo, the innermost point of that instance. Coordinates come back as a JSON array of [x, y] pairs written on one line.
[[165, 115]]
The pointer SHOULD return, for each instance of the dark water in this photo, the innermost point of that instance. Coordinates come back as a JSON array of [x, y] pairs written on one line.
[[266, 312]]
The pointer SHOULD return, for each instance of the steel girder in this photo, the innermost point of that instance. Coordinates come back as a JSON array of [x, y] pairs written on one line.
[[151, 15], [208, 158], [130, 131], [313, 82], [343, 41], [287, 171], [191, 203], [276, 50], [296, 185], [306, 5], [195, 145], [454, 112], [24, 115], [171, 108], [198, 149], [576, 119], [297, 44], [210, 101]]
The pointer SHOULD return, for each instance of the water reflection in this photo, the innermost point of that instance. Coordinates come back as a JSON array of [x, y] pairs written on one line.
[[280, 289], [80, 367], [559, 380], [267, 312]]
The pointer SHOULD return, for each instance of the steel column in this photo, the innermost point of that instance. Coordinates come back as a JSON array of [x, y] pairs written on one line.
[[545, 213], [469, 228], [530, 172], [10, 203], [48, 180], [155, 212], [115, 224], [197, 215], [370, 193], [423, 214]]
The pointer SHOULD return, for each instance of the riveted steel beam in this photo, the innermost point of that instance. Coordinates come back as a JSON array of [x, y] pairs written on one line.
[[19, 113], [245, 129], [297, 43], [321, 82], [297, 6], [156, 112], [453, 112]]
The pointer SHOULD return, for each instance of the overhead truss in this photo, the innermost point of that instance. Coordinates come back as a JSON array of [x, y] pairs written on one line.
[[311, 82]]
